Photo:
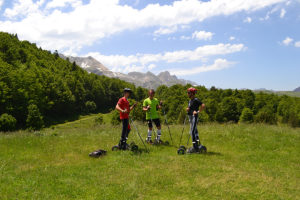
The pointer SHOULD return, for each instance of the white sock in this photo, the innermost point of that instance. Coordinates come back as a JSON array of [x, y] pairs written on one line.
[[149, 134], [158, 134]]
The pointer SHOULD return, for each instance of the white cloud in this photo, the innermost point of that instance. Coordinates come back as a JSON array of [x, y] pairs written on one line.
[[202, 35], [218, 64], [86, 24], [274, 10], [297, 44], [231, 38], [183, 37], [151, 66], [248, 20], [22, 8], [117, 62], [63, 3], [287, 41], [282, 13], [165, 30]]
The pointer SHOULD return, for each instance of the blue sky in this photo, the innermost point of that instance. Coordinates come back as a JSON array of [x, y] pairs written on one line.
[[222, 43]]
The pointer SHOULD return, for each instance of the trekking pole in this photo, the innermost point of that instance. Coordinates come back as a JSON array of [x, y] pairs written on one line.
[[139, 135], [166, 120], [182, 130]]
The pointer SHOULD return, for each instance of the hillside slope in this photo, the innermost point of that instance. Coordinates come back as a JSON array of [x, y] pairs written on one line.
[[32, 76]]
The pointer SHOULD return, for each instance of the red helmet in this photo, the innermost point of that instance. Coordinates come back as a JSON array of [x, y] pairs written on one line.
[[192, 90]]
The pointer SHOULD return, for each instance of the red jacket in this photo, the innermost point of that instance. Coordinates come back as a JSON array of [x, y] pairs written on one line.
[[124, 104]]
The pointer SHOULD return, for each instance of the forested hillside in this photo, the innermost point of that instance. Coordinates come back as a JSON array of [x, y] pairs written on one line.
[[37, 87]]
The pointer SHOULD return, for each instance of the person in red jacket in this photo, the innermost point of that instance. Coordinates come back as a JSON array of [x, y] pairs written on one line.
[[124, 109]]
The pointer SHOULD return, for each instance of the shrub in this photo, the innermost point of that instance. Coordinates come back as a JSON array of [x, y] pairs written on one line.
[[7, 122], [90, 106], [115, 118], [182, 116], [34, 119], [203, 117], [247, 115], [294, 119], [266, 115], [99, 119]]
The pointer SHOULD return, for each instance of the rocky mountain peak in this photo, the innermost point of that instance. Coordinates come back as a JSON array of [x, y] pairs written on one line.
[[146, 80]]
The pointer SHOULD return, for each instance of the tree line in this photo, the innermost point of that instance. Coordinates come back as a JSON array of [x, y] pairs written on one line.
[[227, 105], [38, 88]]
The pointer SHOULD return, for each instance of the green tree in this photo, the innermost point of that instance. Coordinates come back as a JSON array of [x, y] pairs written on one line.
[[266, 115], [7, 122], [246, 116], [203, 117], [229, 109], [34, 119], [90, 106]]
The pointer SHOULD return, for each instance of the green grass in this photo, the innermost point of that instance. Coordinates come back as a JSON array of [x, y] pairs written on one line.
[[243, 162]]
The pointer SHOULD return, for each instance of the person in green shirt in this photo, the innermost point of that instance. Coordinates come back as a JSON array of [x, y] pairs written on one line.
[[150, 106]]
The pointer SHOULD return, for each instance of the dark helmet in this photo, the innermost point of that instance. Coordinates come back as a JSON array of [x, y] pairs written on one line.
[[192, 90], [127, 90]]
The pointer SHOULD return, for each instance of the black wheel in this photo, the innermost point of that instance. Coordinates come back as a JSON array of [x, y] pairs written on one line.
[[182, 147], [203, 149], [181, 151], [134, 148], [115, 148]]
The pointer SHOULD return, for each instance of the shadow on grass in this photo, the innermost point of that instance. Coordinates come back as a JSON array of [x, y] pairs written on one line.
[[140, 151], [211, 153]]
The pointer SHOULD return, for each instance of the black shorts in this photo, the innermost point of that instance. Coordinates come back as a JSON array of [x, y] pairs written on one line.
[[156, 122]]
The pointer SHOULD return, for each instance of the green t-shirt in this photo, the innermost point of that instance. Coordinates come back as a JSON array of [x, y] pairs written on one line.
[[152, 112]]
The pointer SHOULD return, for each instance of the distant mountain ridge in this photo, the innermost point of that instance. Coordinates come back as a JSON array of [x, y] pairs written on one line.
[[297, 89], [146, 80]]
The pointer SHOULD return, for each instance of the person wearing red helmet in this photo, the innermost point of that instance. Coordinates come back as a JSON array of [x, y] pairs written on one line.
[[124, 109], [193, 111]]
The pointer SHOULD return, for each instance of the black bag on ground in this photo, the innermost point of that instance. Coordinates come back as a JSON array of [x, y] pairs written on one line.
[[98, 153]]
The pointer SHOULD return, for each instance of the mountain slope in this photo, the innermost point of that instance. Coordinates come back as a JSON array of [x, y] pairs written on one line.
[[297, 89], [146, 80]]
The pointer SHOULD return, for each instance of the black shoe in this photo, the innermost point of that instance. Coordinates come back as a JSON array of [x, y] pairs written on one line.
[[202, 149]]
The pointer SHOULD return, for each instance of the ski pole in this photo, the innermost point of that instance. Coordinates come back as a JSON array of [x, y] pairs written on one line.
[[182, 130], [166, 120], [139, 134]]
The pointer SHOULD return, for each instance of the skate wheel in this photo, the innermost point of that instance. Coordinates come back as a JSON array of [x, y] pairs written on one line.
[[181, 151], [134, 147], [115, 148], [203, 149], [182, 147]]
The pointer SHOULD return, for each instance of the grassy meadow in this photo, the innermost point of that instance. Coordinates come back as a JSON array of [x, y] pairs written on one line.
[[243, 162]]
